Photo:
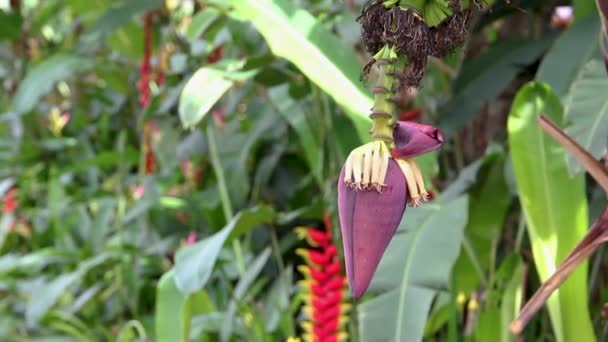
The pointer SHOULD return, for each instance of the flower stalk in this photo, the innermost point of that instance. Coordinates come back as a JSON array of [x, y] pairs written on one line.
[[380, 178]]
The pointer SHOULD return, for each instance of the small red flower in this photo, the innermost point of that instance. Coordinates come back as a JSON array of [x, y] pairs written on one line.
[[216, 54], [9, 202]]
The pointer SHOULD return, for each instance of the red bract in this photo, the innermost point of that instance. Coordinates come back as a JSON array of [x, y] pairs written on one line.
[[323, 287], [369, 216], [9, 202], [368, 220]]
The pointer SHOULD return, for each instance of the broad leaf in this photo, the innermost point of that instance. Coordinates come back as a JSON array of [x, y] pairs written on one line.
[[429, 235], [485, 76], [587, 111], [194, 264], [174, 310], [554, 205], [41, 78], [294, 34], [576, 45]]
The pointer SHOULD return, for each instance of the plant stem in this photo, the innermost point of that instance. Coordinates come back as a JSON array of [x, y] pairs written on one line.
[[384, 107], [224, 196]]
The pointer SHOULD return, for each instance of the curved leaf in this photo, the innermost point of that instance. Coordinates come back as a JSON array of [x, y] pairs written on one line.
[[295, 35], [194, 264], [174, 310], [587, 111], [42, 77], [554, 205], [200, 93], [576, 46], [430, 235], [485, 76]]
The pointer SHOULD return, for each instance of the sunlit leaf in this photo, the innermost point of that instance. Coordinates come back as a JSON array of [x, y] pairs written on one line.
[[554, 205], [201, 92]]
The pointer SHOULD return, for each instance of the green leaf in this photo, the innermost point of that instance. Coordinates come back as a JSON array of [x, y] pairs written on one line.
[[582, 8], [293, 112], [116, 17], [587, 111], [239, 291], [10, 25], [485, 76], [554, 205], [295, 35], [44, 298], [174, 310], [194, 264], [200, 93], [41, 78], [489, 200], [576, 45], [429, 235], [201, 22], [512, 302]]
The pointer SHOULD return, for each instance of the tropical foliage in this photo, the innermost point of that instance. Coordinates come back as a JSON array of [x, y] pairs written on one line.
[[169, 171]]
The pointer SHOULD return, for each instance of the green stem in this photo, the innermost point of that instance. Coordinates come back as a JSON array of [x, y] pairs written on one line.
[[384, 107], [224, 196]]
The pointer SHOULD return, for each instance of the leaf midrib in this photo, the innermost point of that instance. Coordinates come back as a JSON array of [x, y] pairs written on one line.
[[404, 279]]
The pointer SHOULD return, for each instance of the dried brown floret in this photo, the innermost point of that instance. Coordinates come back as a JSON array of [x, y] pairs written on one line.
[[409, 33], [451, 32], [373, 20], [412, 73]]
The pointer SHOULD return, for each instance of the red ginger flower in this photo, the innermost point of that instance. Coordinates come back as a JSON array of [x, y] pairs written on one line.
[[324, 287]]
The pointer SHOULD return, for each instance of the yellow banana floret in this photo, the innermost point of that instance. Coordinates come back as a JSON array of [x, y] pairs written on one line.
[[414, 180], [366, 166]]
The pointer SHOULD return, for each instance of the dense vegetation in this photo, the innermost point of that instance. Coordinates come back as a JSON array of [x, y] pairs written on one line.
[[168, 172]]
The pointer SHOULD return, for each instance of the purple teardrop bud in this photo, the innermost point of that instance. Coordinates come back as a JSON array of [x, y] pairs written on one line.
[[412, 139], [368, 221]]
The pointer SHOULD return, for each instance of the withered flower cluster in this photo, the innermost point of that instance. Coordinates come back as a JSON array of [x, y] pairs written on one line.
[[406, 29]]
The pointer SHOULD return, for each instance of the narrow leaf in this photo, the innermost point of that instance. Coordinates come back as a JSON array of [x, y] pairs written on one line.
[[554, 205], [194, 264]]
